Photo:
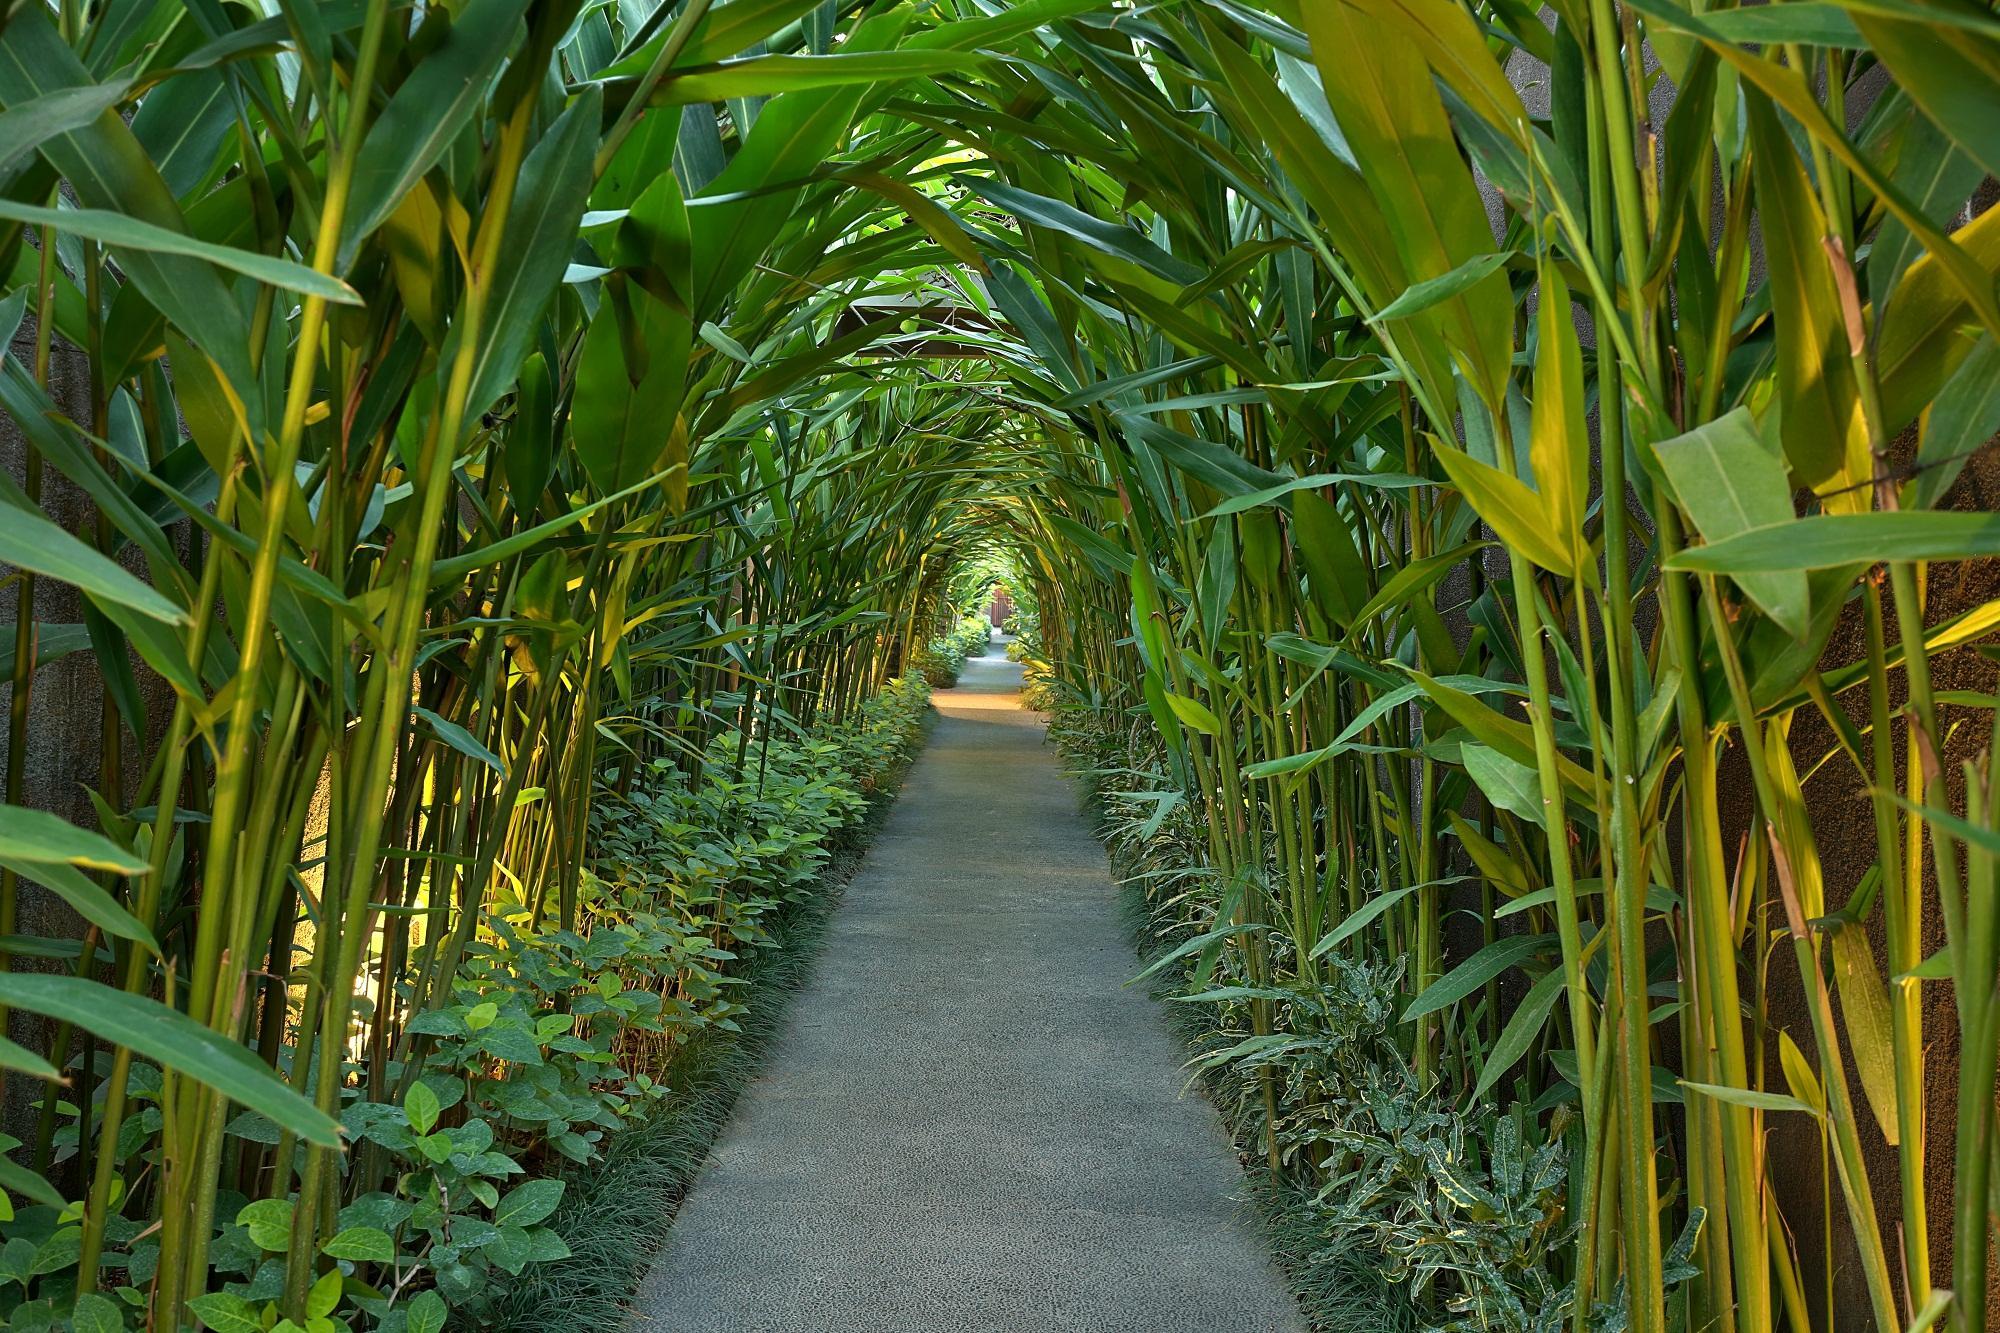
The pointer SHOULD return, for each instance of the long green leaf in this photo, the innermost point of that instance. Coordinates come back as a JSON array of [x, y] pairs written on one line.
[[763, 76], [1828, 541], [1730, 481], [124, 234], [428, 111], [1476, 971], [24, 126], [36, 837], [150, 1029], [30, 541]]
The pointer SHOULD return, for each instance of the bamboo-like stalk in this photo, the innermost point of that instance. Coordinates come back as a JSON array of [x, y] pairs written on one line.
[[444, 621]]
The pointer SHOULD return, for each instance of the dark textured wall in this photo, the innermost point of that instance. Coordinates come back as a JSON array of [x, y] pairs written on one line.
[[1843, 824], [1843, 828], [61, 758]]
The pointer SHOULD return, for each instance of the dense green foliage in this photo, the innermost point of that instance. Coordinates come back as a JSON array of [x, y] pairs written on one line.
[[543, 428], [942, 659], [1310, 387]]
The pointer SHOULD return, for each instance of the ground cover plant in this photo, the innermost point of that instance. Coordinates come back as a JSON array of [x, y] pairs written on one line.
[[1501, 508]]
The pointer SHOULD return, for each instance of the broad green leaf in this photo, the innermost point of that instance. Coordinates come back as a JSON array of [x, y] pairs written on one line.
[[1194, 945], [458, 738], [1938, 178], [1452, 42], [1147, 620], [420, 1104], [108, 169], [1519, 517], [530, 456], [324, 1296], [1109, 238], [429, 109], [1558, 435], [1807, 22], [1964, 416], [1029, 313], [1217, 587], [269, 1223], [64, 448], [1506, 868], [1287, 765], [427, 1313], [125, 235], [13, 1055], [1522, 1028], [95, 1313], [1211, 463], [1388, 481], [457, 567], [1401, 588], [759, 76], [1337, 576], [989, 31], [1953, 264], [1924, 336], [727, 30], [184, 122], [1509, 784], [1511, 738], [1756, 1101], [630, 378], [25, 125], [1828, 541], [734, 220], [91, 902], [1194, 714], [173, 1040], [28, 1184], [1952, 73], [36, 837], [1799, 1075], [224, 1312], [1820, 408], [1299, 129], [1864, 1012], [527, 1204], [1473, 974], [1383, 98], [1729, 481], [539, 239], [1357, 921], [1435, 291]]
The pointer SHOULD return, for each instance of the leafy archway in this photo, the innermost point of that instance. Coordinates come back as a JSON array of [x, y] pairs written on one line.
[[515, 407]]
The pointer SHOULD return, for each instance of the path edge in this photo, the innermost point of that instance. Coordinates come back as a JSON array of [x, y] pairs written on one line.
[[617, 1212], [1332, 1297]]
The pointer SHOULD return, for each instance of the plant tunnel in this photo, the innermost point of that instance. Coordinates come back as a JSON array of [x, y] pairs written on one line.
[[1496, 504]]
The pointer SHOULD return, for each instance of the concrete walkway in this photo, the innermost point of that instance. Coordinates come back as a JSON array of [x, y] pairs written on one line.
[[970, 1122]]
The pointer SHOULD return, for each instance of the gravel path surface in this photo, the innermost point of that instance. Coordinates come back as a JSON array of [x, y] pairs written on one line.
[[970, 1122]]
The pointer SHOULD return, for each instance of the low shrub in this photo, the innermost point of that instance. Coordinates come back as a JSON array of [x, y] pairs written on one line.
[[1449, 1215], [944, 658], [552, 1043]]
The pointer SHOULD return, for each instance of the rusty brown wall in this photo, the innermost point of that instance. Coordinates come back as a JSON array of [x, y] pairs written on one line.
[[61, 761], [1843, 828]]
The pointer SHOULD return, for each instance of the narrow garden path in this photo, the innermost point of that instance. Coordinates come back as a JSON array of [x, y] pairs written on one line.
[[970, 1122]]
